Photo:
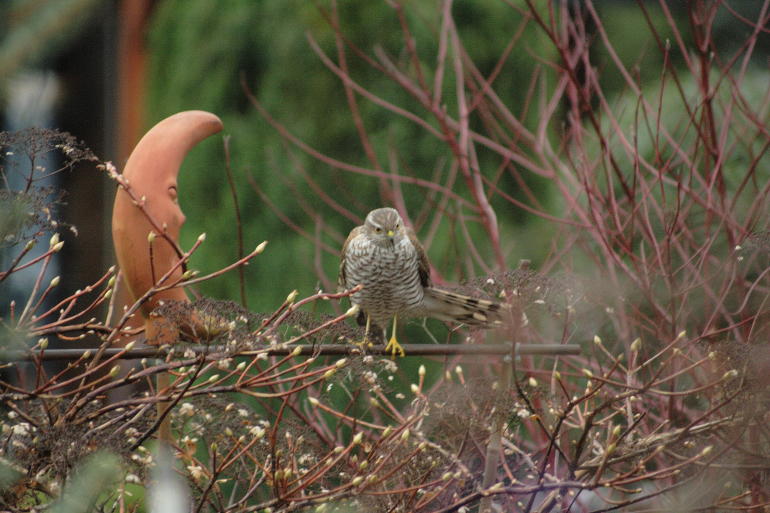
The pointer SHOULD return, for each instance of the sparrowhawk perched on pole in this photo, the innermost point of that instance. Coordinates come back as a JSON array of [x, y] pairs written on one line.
[[385, 257]]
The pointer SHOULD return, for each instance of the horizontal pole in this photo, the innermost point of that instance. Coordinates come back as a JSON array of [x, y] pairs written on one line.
[[307, 350]]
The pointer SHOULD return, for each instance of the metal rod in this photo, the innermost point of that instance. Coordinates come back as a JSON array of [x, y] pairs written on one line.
[[319, 350]]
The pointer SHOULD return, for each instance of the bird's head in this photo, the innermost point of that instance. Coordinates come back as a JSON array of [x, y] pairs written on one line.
[[384, 226]]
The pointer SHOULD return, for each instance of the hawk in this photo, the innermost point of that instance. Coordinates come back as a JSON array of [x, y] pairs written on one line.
[[385, 257]]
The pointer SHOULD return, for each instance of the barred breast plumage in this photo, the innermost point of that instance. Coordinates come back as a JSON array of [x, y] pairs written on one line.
[[385, 257], [390, 277]]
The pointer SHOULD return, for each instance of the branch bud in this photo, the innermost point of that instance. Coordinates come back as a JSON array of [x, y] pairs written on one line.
[[261, 247], [636, 345], [151, 237], [292, 296]]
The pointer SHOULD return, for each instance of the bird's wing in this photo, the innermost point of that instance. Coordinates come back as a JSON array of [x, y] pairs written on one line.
[[424, 264], [341, 278]]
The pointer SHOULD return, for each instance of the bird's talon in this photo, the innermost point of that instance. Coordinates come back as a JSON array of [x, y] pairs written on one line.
[[394, 348], [365, 343]]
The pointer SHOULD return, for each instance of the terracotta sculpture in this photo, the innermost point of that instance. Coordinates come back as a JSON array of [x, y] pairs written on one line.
[[151, 173]]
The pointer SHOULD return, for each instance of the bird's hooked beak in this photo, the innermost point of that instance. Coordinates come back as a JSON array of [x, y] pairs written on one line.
[[391, 238]]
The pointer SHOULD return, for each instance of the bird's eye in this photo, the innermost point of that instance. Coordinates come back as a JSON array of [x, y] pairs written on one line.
[[398, 226], [378, 229]]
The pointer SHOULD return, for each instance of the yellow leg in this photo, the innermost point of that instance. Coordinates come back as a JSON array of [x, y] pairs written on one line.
[[393, 346], [366, 342]]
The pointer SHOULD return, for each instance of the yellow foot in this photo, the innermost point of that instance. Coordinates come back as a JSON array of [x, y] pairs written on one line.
[[364, 343], [394, 347]]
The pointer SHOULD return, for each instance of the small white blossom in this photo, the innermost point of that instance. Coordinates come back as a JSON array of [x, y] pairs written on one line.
[[196, 471], [21, 429]]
